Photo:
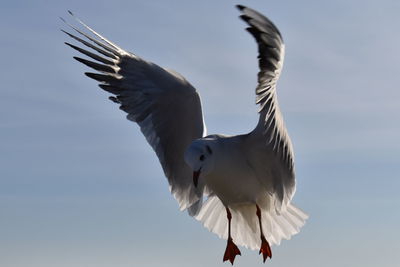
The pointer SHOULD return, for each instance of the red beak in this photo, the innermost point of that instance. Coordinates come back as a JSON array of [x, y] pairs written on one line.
[[196, 175]]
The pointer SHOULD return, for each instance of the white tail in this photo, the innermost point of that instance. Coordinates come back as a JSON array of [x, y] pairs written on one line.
[[245, 228]]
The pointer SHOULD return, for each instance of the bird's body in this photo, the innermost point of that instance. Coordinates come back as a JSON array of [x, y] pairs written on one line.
[[246, 180], [232, 179]]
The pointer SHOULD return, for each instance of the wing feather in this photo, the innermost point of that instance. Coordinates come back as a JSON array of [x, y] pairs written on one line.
[[270, 135], [165, 106]]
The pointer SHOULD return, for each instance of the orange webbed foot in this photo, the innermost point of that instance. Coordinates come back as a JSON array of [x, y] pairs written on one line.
[[265, 249], [231, 251]]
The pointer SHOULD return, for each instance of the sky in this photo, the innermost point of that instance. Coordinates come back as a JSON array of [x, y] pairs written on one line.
[[79, 186]]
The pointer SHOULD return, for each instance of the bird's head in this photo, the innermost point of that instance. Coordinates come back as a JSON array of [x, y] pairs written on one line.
[[200, 157]]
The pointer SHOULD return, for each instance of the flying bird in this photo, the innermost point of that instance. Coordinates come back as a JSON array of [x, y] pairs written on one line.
[[239, 187]]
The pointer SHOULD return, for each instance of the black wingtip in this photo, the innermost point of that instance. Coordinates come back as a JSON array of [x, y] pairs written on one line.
[[96, 66], [245, 18], [97, 77], [240, 7], [90, 75], [101, 77], [70, 12], [67, 33], [64, 31], [63, 20], [79, 59], [114, 99]]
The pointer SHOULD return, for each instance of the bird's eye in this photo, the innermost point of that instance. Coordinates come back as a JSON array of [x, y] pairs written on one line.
[[202, 158]]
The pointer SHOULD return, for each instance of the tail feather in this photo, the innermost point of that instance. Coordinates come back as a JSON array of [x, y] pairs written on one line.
[[245, 228]]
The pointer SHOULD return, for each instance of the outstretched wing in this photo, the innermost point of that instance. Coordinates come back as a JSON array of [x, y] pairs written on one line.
[[165, 106], [272, 153]]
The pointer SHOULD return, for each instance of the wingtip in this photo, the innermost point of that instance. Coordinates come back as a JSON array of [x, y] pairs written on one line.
[[114, 99], [90, 74], [64, 31], [245, 17], [70, 12], [240, 7]]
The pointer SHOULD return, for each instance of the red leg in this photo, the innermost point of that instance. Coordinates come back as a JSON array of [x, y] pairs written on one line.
[[265, 248], [231, 249]]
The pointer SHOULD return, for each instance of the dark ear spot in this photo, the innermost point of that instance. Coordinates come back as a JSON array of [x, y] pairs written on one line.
[[202, 158], [209, 149]]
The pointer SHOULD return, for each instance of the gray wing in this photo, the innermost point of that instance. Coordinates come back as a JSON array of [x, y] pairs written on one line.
[[272, 152], [165, 106]]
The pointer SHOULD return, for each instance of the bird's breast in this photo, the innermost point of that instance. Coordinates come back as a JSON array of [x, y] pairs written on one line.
[[234, 181]]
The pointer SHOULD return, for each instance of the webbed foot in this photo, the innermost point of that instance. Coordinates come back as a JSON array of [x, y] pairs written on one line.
[[231, 251], [265, 249]]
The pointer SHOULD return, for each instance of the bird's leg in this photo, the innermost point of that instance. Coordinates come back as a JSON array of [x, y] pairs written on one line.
[[231, 249], [265, 248]]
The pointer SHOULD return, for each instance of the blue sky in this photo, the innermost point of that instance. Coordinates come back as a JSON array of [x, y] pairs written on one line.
[[79, 186]]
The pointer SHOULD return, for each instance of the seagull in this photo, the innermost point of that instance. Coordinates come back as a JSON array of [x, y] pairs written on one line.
[[239, 187]]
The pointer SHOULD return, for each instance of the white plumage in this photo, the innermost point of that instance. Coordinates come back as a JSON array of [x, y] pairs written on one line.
[[243, 174], [245, 230]]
